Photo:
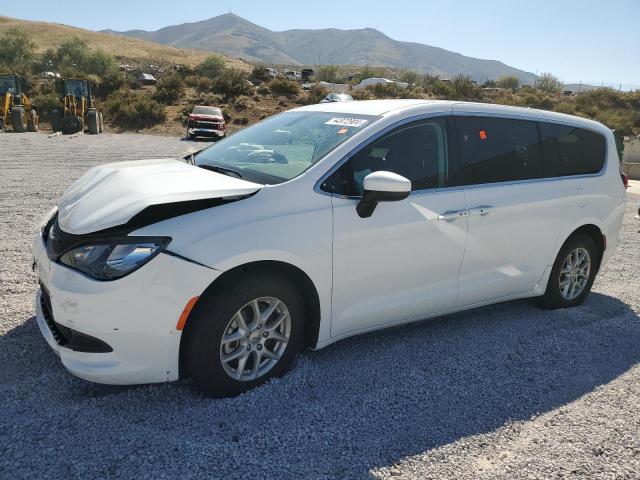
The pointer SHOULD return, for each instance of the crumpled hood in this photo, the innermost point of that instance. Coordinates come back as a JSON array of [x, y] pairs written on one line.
[[110, 195]]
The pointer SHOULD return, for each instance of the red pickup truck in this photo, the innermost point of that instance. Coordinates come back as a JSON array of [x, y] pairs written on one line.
[[206, 122]]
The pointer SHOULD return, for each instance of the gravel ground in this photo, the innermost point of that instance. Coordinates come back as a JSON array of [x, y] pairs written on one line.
[[507, 391]]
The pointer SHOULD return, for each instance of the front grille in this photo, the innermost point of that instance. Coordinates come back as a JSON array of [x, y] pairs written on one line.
[[59, 242], [67, 337], [212, 125]]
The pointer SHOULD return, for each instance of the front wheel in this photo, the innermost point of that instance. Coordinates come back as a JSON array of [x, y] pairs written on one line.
[[18, 119], [243, 334], [93, 122], [572, 274]]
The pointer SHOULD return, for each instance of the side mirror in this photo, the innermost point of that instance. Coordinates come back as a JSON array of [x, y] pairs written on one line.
[[382, 187]]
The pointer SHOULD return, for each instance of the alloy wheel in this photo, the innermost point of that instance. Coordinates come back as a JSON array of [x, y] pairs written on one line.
[[574, 274], [255, 339]]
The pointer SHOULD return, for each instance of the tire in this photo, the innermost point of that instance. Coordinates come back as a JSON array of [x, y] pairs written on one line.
[[33, 121], [93, 122], [100, 123], [1, 124], [18, 119], [190, 136], [216, 314], [56, 120], [72, 124], [557, 296]]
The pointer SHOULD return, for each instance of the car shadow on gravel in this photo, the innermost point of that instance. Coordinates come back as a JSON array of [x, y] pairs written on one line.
[[361, 404]]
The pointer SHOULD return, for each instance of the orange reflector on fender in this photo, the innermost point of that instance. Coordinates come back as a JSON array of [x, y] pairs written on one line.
[[185, 313]]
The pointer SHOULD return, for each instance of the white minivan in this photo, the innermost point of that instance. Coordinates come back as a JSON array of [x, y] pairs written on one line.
[[317, 224]]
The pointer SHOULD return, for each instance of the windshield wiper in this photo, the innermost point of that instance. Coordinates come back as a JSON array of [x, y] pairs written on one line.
[[224, 171]]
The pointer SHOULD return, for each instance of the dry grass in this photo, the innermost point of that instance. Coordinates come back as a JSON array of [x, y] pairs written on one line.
[[48, 35]]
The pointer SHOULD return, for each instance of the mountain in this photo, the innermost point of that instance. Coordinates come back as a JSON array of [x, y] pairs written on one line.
[[50, 35], [237, 37]]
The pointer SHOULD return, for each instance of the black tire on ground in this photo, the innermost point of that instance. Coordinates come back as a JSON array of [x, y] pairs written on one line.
[[1, 124], [553, 298], [18, 119], [93, 122], [72, 124], [56, 120], [33, 121], [210, 317], [100, 122]]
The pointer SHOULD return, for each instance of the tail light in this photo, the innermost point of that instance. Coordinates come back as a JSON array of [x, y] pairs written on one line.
[[625, 179]]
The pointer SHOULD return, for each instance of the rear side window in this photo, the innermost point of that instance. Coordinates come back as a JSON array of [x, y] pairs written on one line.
[[498, 150], [572, 151]]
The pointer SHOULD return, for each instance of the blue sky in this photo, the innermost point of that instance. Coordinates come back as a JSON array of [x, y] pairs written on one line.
[[589, 40]]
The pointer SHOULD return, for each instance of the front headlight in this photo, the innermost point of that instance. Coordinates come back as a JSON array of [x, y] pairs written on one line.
[[109, 260]]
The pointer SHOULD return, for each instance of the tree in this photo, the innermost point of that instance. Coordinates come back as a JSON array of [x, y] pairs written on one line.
[[508, 81], [548, 83], [328, 73], [211, 67], [410, 77], [17, 49]]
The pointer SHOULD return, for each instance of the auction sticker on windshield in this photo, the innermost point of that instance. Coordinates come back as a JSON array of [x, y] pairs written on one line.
[[347, 122]]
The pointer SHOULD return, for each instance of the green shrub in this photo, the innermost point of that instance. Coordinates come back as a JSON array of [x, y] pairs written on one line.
[[242, 102], [169, 89], [212, 66], [17, 49], [232, 83], [510, 82], [129, 109], [260, 74], [316, 93], [328, 73], [282, 86]]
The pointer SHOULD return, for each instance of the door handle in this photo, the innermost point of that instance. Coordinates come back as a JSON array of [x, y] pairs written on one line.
[[453, 214], [481, 210]]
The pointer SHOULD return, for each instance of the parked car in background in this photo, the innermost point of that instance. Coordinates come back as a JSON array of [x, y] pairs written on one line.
[[306, 74], [337, 97], [318, 224], [293, 75], [206, 121], [147, 79], [273, 73], [379, 81]]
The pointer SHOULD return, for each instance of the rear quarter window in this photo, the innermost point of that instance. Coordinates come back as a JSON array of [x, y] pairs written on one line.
[[570, 150]]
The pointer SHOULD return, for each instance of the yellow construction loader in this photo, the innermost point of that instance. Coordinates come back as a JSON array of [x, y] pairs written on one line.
[[16, 110], [78, 110]]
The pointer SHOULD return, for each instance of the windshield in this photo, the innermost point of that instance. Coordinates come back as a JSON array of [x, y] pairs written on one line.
[[7, 85], [282, 147], [76, 87], [207, 111]]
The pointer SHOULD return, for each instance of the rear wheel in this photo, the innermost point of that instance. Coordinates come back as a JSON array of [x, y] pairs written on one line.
[[1, 124], [33, 121], [93, 122], [243, 334], [72, 124], [18, 119], [572, 274]]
